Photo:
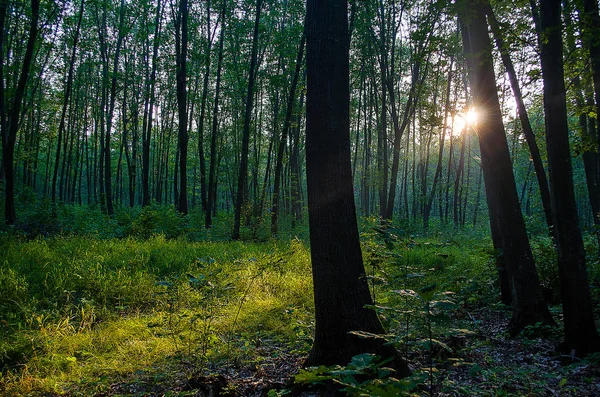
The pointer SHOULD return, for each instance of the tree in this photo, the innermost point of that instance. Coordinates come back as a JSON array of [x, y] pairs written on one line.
[[10, 127], [536, 158], [106, 122], [284, 135], [212, 177], [340, 288], [149, 106], [181, 33], [528, 302], [243, 174], [68, 89], [580, 330]]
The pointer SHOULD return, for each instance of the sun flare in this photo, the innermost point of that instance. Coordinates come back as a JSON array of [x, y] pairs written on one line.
[[463, 120]]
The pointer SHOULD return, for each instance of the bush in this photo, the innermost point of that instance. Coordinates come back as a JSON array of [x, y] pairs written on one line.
[[547, 265], [156, 219], [40, 219]]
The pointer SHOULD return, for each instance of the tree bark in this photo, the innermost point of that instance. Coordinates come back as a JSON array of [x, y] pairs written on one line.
[[181, 33], [9, 131], [147, 132], [284, 134], [340, 288], [212, 169], [538, 165], [243, 174], [68, 88], [580, 330], [528, 302]]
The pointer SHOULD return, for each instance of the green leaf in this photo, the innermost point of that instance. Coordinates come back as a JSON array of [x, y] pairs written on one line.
[[313, 375], [443, 305], [366, 335], [407, 292], [364, 360]]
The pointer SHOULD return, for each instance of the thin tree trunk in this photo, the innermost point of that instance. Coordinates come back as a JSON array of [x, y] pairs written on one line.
[[438, 169], [181, 39], [212, 186], [147, 132], [243, 174], [68, 88], [9, 131], [284, 135], [538, 165]]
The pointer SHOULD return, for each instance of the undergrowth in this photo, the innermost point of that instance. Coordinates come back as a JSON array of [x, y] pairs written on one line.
[[78, 302], [81, 308]]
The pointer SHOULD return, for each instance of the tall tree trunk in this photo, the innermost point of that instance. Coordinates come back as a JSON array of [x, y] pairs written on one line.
[[538, 165], [340, 289], [580, 330], [107, 172], [438, 168], [147, 132], [243, 174], [181, 39], [284, 134], [590, 30], [503, 202], [212, 186], [68, 88], [201, 157], [9, 131]]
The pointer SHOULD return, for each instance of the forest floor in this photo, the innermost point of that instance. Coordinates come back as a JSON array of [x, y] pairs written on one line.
[[486, 363], [156, 316]]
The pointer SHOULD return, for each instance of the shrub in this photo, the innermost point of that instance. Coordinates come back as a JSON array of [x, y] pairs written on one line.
[[157, 219]]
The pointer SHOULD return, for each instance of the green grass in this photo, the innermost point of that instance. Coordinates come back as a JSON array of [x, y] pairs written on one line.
[[82, 312], [81, 308]]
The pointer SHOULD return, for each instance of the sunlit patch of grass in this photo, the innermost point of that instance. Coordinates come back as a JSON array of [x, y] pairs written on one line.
[[88, 312]]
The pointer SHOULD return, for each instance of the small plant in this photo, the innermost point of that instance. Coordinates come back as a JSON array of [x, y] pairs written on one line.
[[156, 219], [191, 305], [544, 331], [365, 375], [432, 310]]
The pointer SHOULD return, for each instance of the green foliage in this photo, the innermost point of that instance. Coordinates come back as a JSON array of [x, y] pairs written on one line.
[[539, 330], [40, 219], [365, 375], [547, 264], [81, 307], [156, 219]]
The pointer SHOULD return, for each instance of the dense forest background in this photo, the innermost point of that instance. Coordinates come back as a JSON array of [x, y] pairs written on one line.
[[155, 194], [98, 123]]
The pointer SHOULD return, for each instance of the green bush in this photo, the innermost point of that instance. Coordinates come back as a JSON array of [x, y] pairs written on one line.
[[40, 219], [157, 219], [547, 265]]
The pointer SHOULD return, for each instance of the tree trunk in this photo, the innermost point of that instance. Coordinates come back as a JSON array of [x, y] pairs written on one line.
[[580, 330], [340, 288], [284, 134], [9, 132], [243, 174], [68, 87], [201, 157], [147, 132], [538, 165], [438, 168], [212, 186], [181, 39], [503, 202]]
